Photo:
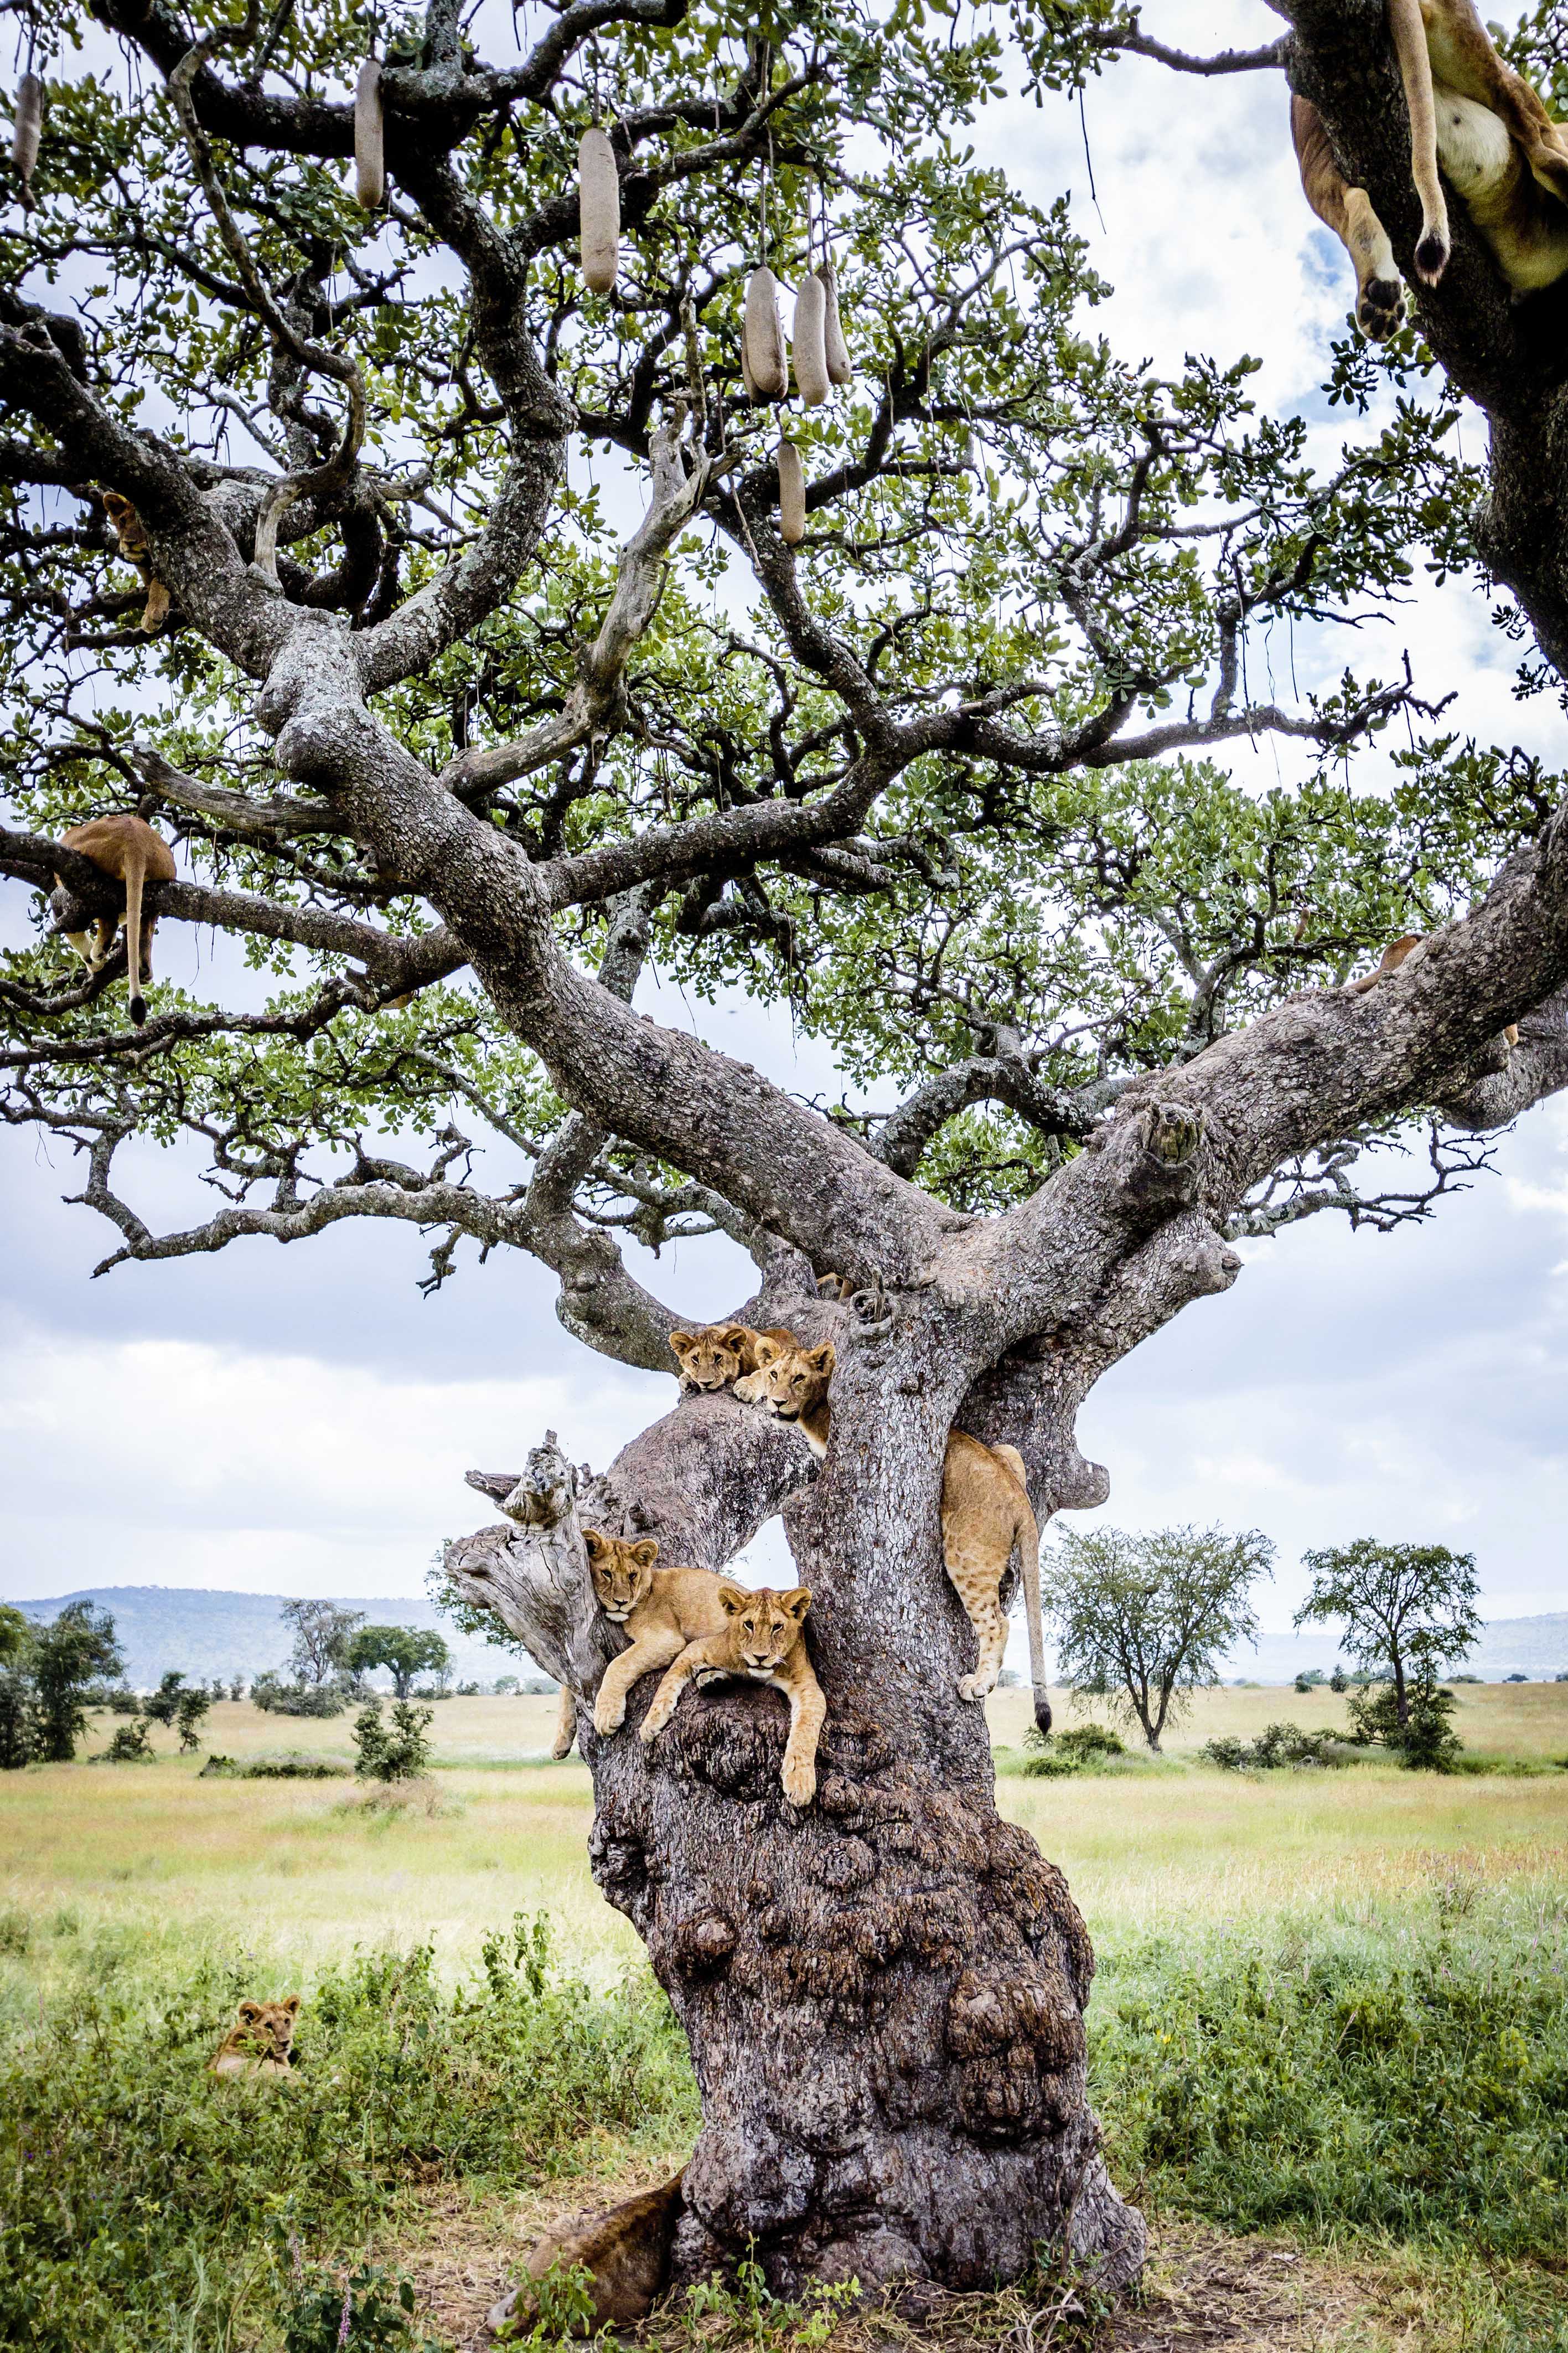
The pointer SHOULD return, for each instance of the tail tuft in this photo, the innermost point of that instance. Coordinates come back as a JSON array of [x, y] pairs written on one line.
[[1041, 1709], [1432, 257], [138, 1010]]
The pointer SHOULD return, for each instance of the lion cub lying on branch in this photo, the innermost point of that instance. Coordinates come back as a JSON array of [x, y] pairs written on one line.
[[1488, 129], [698, 1626], [985, 1511]]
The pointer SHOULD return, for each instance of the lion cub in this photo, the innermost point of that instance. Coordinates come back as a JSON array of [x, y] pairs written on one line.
[[713, 1357], [260, 2042], [760, 1643], [985, 1512], [662, 1610]]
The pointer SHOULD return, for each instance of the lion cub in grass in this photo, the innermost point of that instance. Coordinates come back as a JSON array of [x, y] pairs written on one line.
[[662, 1610], [260, 2042], [985, 1514], [760, 1643]]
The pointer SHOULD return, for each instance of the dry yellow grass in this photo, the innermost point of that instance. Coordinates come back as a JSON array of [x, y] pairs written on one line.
[[307, 1868]]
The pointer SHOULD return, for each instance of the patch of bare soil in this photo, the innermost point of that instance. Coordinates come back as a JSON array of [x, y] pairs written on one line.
[[1203, 2292]]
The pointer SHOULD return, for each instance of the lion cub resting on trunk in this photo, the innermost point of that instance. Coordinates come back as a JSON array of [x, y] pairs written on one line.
[[985, 1512], [694, 1623], [760, 1643], [260, 2042]]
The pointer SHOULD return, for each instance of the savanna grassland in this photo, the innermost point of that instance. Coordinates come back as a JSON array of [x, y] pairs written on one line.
[[1329, 2037]]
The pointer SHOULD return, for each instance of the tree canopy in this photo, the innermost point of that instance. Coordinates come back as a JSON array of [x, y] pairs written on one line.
[[405, 1651], [1143, 1621], [946, 781], [1401, 1605]]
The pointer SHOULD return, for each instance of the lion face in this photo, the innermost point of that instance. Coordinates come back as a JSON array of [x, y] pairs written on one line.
[[266, 2028], [710, 1359], [765, 1625], [622, 1572], [789, 1382]]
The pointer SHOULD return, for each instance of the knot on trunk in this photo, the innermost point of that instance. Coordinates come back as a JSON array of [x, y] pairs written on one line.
[[731, 1738], [701, 1947], [547, 1490]]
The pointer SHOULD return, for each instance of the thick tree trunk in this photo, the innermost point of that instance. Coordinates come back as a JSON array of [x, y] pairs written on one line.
[[883, 1992]]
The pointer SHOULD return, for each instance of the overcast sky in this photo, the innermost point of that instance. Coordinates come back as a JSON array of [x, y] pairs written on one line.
[[299, 1419]]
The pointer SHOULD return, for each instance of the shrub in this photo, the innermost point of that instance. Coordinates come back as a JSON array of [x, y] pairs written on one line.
[[1426, 1741], [132, 1745], [1277, 1745], [1084, 1741], [274, 1768], [269, 1692], [366, 2310], [398, 1753]]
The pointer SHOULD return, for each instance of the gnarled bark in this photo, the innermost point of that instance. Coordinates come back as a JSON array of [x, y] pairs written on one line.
[[884, 1992]]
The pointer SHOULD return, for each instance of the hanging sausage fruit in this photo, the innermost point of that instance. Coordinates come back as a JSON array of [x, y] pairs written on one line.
[[792, 495], [369, 139], [809, 342], [598, 211], [27, 130], [763, 362], [835, 350]]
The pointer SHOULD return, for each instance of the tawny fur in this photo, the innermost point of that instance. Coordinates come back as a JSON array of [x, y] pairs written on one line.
[[1483, 124], [128, 849], [661, 1609], [625, 2249], [985, 1512], [130, 540], [719, 1354], [762, 1643], [260, 2041]]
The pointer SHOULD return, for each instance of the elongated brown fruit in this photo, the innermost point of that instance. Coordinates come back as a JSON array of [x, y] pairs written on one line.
[[834, 347], [792, 495], [369, 139], [762, 338], [28, 129], [599, 210], [809, 342]]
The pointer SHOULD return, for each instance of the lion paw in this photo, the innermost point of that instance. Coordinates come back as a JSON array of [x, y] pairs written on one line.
[[653, 1724], [608, 1716], [562, 1748], [973, 1687], [799, 1782]]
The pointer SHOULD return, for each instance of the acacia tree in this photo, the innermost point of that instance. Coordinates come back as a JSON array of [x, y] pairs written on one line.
[[942, 777], [405, 1651], [1402, 1605], [1143, 1621]]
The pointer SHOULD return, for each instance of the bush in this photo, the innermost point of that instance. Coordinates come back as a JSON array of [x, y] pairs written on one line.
[[1077, 1751], [132, 1745], [400, 1752], [171, 2212], [1426, 1741], [366, 2310], [270, 1693], [1279, 1745], [1083, 1741], [274, 1768]]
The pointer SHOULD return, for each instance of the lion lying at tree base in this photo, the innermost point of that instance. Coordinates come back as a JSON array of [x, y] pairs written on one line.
[[624, 2248]]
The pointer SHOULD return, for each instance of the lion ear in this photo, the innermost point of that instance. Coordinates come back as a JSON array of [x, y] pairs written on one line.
[[733, 1336], [646, 1553], [250, 2012], [768, 1351], [795, 1605], [292, 2005], [733, 1598], [683, 1342], [823, 1358], [595, 1544]]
